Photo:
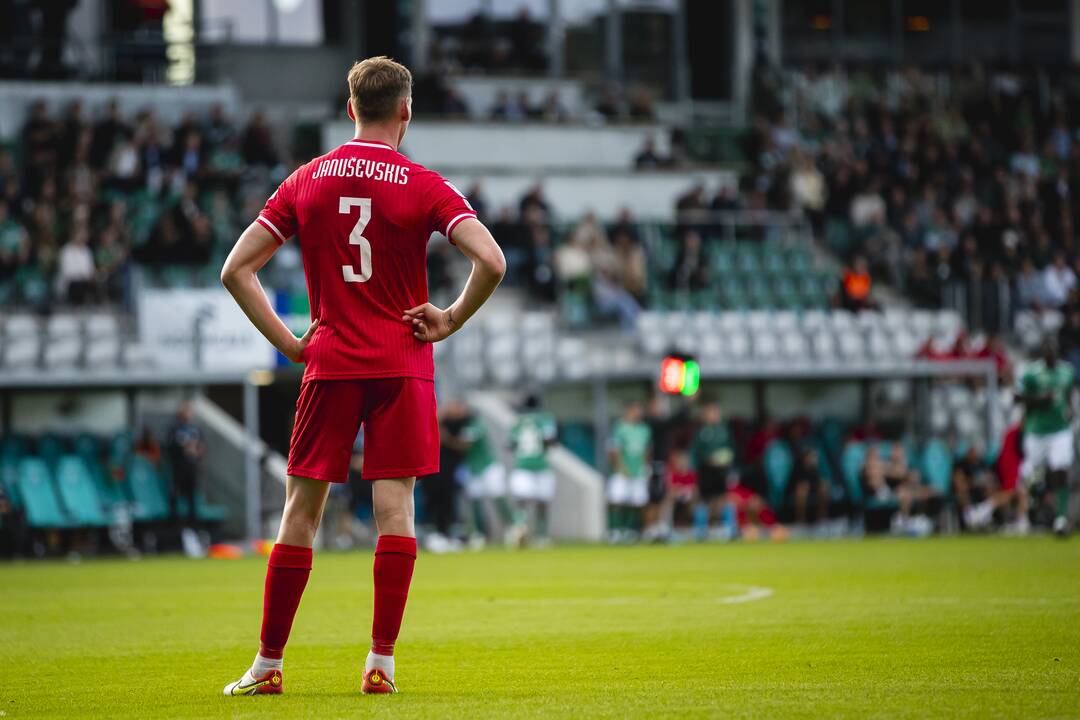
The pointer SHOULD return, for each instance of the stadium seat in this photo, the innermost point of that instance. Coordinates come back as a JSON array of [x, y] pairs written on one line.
[[150, 501], [851, 465], [63, 346], [9, 480], [204, 511], [38, 495], [937, 466], [50, 448], [77, 492], [779, 463]]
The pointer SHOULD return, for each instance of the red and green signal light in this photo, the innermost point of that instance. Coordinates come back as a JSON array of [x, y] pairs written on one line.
[[679, 376]]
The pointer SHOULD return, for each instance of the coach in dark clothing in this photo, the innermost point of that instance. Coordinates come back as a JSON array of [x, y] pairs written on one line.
[[440, 490], [185, 454]]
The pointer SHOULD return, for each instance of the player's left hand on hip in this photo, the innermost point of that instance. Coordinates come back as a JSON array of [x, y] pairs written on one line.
[[429, 323]]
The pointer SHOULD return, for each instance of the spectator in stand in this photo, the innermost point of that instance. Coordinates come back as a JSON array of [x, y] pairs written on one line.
[[110, 257], [1069, 335], [541, 263], [1059, 280], [552, 108], [533, 207], [110, 130], [629, 264], [258, 144], [647, 158], [868, 208], [691, 269], [855, 286], [922, 284], [1031, 291], [475, 197], [808, 190], [454, 104], [76, 272], [607, 105], [640, 104]]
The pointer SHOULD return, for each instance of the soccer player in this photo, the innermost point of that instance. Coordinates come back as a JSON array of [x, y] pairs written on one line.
[[532, 484], [363, 214], [628, 487], [712, 455], [485, 481], [1045, 388]]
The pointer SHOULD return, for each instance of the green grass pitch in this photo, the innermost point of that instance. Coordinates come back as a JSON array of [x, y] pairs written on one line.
[[978, 628]]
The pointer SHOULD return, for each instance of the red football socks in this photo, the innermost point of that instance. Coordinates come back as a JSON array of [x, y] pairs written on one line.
[[395, 556], [286, 576]]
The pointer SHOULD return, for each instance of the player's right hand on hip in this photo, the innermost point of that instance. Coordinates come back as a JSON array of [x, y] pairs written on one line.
[[429, 323], [297, 353]]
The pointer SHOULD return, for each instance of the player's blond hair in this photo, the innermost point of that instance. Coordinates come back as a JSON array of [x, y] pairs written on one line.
[[376, 85]]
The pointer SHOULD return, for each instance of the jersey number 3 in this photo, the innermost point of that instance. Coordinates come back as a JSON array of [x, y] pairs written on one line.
[[356, 237]]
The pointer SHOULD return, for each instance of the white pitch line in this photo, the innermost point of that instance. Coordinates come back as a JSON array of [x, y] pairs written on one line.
[[752, 593], [749, 593]]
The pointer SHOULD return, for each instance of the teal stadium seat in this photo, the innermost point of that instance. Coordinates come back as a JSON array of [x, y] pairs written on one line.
[[150, 502], [40, 504], [779, 462], [852, 460], [937, 464], [77, 492], [9, 479]]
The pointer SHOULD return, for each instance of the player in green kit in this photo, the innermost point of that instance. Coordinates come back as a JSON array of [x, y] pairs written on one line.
[[1045, 388], [485, 483], [628, 487], [532, 484]]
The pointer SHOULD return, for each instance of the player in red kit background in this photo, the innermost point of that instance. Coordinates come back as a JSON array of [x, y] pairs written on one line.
[[363, 214]]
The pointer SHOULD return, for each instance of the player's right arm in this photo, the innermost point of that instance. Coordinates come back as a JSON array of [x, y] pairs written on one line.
[[239, 276]]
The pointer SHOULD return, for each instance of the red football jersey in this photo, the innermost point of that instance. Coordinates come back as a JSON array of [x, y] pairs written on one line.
[[363, 214]]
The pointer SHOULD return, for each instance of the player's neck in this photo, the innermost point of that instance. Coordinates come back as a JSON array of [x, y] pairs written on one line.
[[384, 134]]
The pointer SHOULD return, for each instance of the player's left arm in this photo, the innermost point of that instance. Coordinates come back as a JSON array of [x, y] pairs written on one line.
[[239, 276], [432, 324]]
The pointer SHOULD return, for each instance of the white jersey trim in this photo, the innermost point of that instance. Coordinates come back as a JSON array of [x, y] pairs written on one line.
[[271, 227], [371, 145], [455, 221]]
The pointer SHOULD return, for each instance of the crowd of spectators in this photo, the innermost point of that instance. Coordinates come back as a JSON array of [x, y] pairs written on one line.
[[603, 265], [957, 189], [86, 191]]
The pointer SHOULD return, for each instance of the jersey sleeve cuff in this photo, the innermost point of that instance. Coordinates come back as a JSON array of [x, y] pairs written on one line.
[[272, 228], [453, 223]]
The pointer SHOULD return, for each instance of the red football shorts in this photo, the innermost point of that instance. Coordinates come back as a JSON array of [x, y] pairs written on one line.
[[401, 428]]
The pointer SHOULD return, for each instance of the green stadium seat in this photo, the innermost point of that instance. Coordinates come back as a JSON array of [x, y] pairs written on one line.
[[723, 261], [748, 261], [38, 496], [759, 292], [779, 462], [150, 502], [77, 492], [774, 262]]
